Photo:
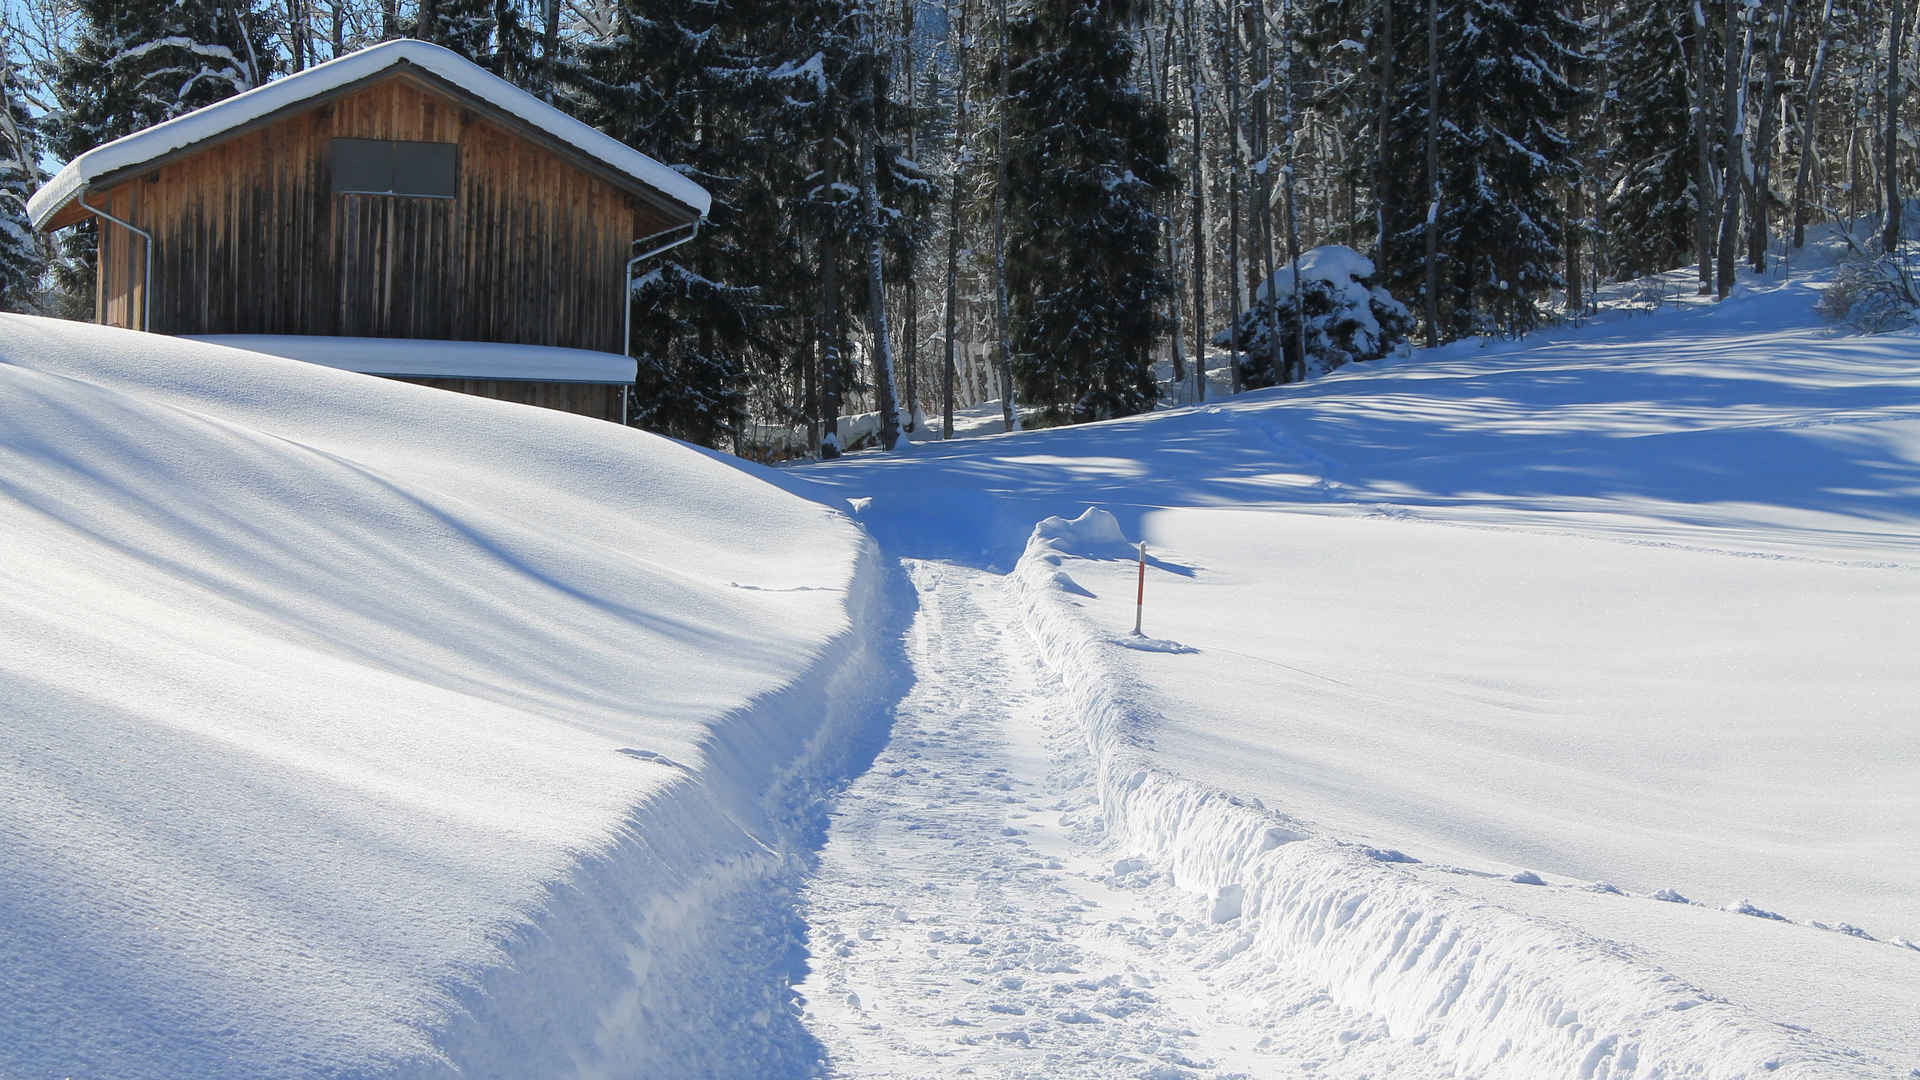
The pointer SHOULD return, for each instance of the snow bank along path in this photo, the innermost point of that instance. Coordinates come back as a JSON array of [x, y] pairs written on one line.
[[1496, 992], [349, 727]]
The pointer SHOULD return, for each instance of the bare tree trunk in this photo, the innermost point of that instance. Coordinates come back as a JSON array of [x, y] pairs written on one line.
[[254, 77], [885, 386], [1230, 32], [1853, 176], [12, 139], [1704, 199], [298, 32], [1760, 199], [911, 336], [955, 200], [1576, 226], [1382, 213], [1733, 157], [883, 373], [1809, 128], [1432, 229], [830, 388], [549, 47], [1176, 321], [1176, 326], [1289, 126], [1196, 178], [1602, 233], [1890, 240], [389, 19], [810, 405], [1263, 199], [1576, 202], [1009, 416]]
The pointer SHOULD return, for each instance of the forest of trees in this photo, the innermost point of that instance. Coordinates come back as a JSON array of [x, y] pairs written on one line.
[[924, 204]]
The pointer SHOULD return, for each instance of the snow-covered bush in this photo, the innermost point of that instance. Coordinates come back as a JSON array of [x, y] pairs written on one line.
[[1872, 295], [1348, 317]]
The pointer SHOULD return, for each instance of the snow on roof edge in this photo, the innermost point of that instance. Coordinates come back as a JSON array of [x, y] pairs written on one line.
[[212, 120]]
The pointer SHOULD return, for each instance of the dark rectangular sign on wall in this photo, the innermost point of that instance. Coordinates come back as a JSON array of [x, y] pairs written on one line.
[[391, 167]]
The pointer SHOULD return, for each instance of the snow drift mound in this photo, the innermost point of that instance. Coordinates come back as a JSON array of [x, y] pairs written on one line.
[[355, 727], [1495, 992]]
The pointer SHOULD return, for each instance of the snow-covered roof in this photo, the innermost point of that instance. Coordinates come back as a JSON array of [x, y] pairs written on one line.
[[223, 116], [418, 359]]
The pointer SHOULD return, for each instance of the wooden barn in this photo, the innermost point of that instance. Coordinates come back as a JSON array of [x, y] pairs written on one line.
[[354, 212]]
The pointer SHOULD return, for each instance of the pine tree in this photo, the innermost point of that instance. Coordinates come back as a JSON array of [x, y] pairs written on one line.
[[502, 36], [518, 52], [865, 92], [22, 260], [729, 93], [1402, 187], [862, 203], [648, 86], [462, 26], [1504, 153], [136, 63], [1087, 160], [1652, 208]]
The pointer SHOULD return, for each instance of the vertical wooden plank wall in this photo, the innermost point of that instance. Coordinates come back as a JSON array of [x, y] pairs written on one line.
[[121, 262], [249, 238]]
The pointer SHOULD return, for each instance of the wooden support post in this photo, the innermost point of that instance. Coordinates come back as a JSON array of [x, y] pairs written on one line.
[[1140, 595]]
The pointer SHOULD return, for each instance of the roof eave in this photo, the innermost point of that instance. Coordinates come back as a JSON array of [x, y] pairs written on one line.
[[57, 204]]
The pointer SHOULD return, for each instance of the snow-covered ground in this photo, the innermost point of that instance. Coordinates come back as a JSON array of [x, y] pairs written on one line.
[[1518, 710], [354, 728], [1502, 650]]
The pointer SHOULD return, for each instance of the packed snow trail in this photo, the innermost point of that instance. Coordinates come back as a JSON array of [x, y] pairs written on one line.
[[966, 916]]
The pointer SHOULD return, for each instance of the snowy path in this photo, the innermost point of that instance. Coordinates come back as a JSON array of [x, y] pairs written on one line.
[[955, 920], [965, 917]]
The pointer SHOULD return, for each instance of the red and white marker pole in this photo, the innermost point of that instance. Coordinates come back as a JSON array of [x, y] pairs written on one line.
[[1140, 596]]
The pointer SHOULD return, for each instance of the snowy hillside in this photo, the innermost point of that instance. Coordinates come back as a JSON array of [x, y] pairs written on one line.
[[352, 727], [1518, 710]]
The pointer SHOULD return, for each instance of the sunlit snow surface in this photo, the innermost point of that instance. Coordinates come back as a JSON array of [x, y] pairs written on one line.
[[348, 726], [1631, 603], [358, 728]]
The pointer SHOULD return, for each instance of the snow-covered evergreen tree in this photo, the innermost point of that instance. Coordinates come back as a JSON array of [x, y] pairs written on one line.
[[463, 26], [502, 36], [22, 259], [516, 55], [1087, 162], [1504, 155], [730, 92], [1348, 318], [1652, 207], [649, 85], [135, 63], [1403, 188]]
